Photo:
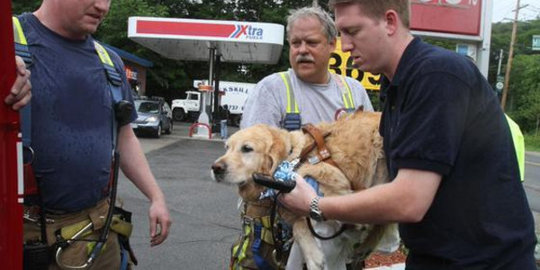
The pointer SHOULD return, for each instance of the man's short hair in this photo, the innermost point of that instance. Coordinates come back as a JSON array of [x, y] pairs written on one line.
[[328, 26], [376, 8]]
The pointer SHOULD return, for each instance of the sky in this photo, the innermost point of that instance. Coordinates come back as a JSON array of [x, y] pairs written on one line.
[[503, 10]]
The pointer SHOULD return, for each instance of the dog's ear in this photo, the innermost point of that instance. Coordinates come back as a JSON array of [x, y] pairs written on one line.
[[297, 141], [279, 147]]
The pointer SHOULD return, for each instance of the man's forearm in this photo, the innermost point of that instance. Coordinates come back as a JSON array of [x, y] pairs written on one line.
[[135, 166]]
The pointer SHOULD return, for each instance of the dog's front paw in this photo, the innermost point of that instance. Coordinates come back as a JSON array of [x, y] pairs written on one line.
[[315, 263]]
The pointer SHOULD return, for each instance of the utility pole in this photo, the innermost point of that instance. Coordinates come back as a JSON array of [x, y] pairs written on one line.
[[500, 61], [510, 56]]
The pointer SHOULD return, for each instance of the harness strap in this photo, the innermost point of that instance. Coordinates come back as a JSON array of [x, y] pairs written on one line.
[[21, 45], [322, 154], [239, 250], [255, 248], [292, 106], [118, 225], [115, 83], [112, 75], [292, 120], [266, 228]]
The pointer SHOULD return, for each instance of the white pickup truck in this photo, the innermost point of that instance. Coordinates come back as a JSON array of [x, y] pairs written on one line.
[[235, 94]]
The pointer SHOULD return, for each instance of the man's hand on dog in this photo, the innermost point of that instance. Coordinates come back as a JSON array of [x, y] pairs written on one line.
[[299, 198], [20, 93]]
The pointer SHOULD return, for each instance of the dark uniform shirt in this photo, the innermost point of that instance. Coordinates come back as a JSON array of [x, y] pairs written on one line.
[[441, 115], [71, 117]]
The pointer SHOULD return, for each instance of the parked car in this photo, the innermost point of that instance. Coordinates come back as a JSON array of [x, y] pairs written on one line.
[[154, 116]]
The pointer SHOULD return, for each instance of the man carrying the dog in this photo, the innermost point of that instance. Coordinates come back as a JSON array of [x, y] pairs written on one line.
[[456, 189], [306, 93], [80, 114]]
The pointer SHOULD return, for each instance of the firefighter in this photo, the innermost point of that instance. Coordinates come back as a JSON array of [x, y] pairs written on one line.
[[80, 114]]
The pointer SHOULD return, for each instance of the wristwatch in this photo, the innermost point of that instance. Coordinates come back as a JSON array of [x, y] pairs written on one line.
[[314, 211]]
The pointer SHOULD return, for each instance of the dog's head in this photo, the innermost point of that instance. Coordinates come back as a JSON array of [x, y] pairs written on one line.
[[259, 148]]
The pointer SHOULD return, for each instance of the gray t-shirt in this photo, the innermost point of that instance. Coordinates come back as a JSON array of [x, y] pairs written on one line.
[[267, 102]]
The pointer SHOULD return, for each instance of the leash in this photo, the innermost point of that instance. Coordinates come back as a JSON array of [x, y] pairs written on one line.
[[279, 242], [342, 228]]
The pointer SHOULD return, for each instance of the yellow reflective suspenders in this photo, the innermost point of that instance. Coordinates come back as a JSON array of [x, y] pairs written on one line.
[[21, 45], [292, 119], [346, 95], [292, 107]]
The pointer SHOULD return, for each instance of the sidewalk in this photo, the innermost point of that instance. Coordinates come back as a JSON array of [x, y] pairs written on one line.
[[183, 130]]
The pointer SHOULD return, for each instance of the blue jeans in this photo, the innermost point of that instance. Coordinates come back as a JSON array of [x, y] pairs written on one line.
[[223, 126]]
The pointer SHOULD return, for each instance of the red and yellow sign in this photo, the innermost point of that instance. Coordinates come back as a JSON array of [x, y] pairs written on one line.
[[342, 63]]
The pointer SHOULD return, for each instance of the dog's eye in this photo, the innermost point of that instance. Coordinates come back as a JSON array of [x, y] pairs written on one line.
[[246, 149]]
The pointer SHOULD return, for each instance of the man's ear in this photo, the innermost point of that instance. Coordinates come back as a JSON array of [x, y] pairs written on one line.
[[332, 44], [392, 21]]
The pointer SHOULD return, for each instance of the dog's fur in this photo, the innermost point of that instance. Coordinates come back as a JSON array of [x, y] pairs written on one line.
[[355, 146]]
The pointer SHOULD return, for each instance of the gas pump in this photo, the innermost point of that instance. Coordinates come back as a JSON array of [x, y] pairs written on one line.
[[11, 183]]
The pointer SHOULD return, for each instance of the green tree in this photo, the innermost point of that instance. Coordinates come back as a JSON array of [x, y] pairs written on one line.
[[524, 95], [523, 90], [19, 7]]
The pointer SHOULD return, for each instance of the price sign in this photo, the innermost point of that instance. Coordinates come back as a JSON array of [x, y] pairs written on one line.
[[342, 63]]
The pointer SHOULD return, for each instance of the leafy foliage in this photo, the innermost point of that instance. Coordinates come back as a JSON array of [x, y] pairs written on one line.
[[19, 7], [523, 103]]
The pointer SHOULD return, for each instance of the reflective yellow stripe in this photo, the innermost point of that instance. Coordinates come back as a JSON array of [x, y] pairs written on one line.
[[266, 222], [103, 54], [18, 32], [292, 107], [347, 96], [519, 145], [245, 244]]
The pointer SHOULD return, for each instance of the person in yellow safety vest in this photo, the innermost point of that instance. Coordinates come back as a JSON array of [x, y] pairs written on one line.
[[306, 93], [20, 93], [519, 145], [77, 123]]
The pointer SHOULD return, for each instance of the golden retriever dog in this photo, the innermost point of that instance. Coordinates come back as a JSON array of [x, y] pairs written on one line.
[[355, 147]]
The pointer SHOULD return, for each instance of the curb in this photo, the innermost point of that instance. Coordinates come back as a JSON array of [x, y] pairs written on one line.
[[398, 266]]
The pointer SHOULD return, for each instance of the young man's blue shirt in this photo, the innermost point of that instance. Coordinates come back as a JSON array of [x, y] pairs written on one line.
[[441, 115]]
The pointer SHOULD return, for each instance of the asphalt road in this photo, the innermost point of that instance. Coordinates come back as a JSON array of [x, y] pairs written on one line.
[[205, 219], [532, 184], [205, 215]]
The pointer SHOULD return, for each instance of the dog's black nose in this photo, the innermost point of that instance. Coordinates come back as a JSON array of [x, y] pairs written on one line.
[[219, 167]]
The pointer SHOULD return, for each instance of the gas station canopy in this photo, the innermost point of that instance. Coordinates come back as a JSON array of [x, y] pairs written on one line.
[[191, 39]]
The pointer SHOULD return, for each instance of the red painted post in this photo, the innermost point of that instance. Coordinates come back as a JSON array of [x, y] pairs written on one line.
[[11, 228]]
